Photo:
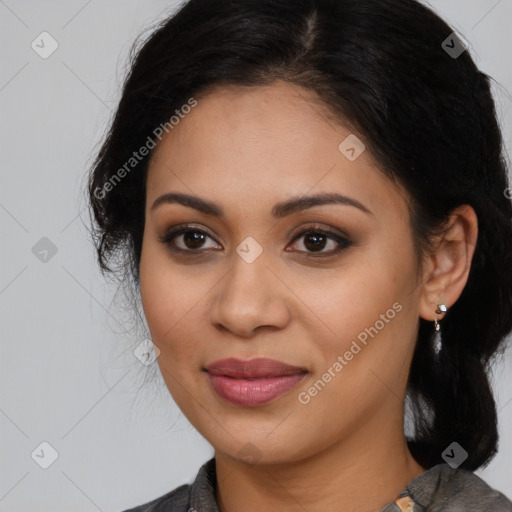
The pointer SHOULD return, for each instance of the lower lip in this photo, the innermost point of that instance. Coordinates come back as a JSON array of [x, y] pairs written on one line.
[[251, 393]]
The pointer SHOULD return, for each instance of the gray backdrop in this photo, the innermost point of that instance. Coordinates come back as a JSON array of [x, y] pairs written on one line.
[[68, 376]]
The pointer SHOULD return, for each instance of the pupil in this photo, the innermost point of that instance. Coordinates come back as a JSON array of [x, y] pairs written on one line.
[[316, 237], [193, 240]]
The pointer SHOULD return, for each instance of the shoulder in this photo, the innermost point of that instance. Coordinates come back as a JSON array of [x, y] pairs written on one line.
[[456, 490], [174, 501]]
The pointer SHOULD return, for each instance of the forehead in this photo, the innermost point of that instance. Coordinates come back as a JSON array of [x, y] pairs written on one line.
[[254, 146]]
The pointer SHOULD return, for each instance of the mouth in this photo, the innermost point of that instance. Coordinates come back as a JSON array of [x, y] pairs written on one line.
[[255, 382]]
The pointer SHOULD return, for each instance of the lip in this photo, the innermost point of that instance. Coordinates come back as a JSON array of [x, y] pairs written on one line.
[[260, 367], [254, 382]]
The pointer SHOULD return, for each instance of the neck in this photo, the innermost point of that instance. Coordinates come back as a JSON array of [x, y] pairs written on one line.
[[361, 472]]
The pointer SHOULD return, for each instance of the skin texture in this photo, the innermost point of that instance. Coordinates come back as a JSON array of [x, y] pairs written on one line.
[[248, 149]]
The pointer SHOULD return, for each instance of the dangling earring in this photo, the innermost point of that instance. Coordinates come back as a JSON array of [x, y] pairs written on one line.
[[441, 308], [438, 342]]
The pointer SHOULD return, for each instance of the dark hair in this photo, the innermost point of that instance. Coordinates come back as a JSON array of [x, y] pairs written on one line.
[[427, 117]]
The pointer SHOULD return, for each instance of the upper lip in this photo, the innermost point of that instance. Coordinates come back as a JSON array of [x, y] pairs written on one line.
[[254, 368]]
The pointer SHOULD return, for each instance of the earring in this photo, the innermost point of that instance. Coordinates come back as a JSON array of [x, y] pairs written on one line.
[[441, 308]]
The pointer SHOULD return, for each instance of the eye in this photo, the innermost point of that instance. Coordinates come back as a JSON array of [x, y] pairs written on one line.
[[191, 239], [316, 239]]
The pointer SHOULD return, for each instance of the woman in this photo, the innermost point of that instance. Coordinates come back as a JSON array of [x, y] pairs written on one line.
[[311, 197]]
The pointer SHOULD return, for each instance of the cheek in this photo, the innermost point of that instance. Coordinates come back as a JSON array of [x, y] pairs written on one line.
[[164, 296], [354, 297], [369, 311], [166, 308]]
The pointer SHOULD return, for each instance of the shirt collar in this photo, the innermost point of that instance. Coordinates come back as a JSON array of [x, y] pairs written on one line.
[[203, 495]]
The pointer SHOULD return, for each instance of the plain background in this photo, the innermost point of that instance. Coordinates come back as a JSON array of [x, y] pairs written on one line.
[[67, 372]]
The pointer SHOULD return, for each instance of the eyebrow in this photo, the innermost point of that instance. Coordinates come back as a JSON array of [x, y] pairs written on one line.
[[279, 210]]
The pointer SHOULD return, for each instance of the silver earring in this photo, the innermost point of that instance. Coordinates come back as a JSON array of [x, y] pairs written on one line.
[[438, 342], [441, 308]]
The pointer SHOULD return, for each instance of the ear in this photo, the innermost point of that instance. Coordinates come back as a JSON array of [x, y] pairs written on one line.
[[446, 270]]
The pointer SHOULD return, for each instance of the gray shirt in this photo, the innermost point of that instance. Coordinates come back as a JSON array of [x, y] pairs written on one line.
[[440, 488]]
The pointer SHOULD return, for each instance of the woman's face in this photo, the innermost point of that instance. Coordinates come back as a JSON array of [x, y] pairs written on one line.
[[247, 284]]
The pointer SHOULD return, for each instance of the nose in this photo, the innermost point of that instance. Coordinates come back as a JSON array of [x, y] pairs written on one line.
[[250, 298]]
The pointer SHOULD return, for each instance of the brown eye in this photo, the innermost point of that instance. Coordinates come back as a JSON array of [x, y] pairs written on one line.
[[192, 239], [188, 239], [316, 240]]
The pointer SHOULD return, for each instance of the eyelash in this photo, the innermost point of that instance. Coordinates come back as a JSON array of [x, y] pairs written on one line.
[[343, 242]]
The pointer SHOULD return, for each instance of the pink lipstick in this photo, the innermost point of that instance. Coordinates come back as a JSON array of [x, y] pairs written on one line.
[[254, 382]]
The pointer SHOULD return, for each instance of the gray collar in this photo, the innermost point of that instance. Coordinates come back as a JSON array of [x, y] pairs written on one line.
[[439, 488]]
